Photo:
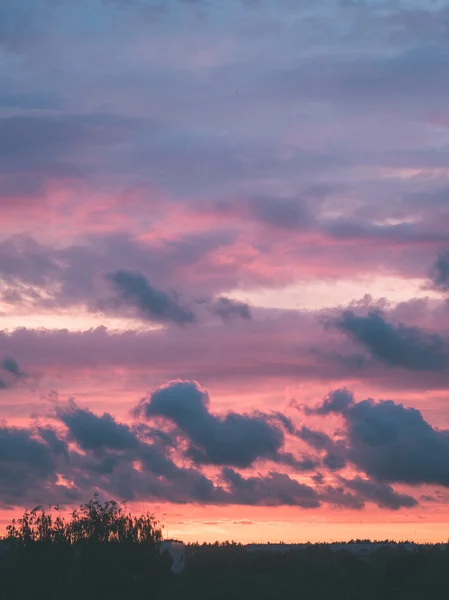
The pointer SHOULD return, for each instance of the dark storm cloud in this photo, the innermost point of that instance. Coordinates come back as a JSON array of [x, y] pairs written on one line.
[[11, 372], [336, 452], [40, 465], [226, 308], [275, 489], [31, 462], [335, 459], [248, 106], [396, 444], [92, 432], [389, 442], [302, 465], [152, 303], [440, 272], [381, 494], [316, 439], [114, 443], [56, 445], [396, 345], [27, 465], [234, 440], [355, 493], [335, 402], [285, 421], [338, 496], [157, 305], [17, 444], [10, 365], [48, 277], [115, 447]]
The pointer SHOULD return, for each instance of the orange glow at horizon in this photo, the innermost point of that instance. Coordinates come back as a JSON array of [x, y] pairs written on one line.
[[256, 524]]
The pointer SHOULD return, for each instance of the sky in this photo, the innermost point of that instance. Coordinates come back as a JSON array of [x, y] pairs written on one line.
[[224, 264]]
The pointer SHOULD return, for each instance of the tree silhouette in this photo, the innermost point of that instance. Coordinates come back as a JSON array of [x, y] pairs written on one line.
[[100, 551]]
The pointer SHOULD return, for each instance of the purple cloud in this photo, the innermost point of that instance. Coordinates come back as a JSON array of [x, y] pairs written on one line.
[[389, 442], [234, 439], [160, 162]]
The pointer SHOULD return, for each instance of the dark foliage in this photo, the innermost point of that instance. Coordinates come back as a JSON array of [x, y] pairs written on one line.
[[229, 571], [103, 552]]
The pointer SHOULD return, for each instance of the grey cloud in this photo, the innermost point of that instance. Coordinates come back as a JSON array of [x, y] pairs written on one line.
[[303, 464], [227, 308], [235, 439], [114, 444], [12, 372], [335, 402], [27, 466], [92, 432], [338, 81], [174, 353], [33, 459], [272, 490], [338, 496], [111, 452], [49, 277], [133, 464], [381, 494], [286, 422], [103, 434], [17, 444], [440, 272], [151, 303], [335, 458], [10, 365], [396, 345], [56, 445], [117, 475], [391, 443], [316, 439]]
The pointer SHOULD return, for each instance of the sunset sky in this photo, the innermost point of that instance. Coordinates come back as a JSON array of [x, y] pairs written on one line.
[[224, 264]]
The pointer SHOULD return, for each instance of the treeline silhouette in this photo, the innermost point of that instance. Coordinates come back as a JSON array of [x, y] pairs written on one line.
[[103, 552], [100, 552], [228, 571]]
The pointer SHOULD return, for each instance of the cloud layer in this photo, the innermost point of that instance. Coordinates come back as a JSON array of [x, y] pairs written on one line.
[[388, 441], [250, 195], [79, 452]]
